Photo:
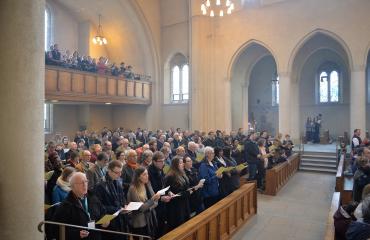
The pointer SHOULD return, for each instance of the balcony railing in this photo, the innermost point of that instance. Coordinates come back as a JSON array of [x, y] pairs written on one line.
[[70, 85]]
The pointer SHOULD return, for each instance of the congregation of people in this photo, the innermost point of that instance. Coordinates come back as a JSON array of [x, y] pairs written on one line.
[[352, 220], [101, 173], [89, 64]]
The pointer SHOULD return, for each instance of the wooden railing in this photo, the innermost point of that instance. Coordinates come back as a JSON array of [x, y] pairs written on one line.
[[339, 179], [70, 85], [330, 230], [221, 220], [278, 176], [343, 184]]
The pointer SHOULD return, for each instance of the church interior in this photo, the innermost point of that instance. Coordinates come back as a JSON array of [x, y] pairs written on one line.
[[258, 111]]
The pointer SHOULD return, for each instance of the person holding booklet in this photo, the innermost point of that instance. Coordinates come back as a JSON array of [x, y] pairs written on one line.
[[178, 209], [79, 208], [110, 193], [143, 221], [196, 200]]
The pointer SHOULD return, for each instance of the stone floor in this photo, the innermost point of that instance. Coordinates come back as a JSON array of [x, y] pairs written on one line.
[[310, 147], [298, 212]]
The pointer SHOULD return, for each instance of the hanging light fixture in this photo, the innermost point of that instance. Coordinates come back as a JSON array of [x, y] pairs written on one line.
[[212, 7], [99, 38]]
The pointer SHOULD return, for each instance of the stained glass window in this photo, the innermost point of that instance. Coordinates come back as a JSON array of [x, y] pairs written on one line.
[[176, 83], [334, 86], [324, 87]]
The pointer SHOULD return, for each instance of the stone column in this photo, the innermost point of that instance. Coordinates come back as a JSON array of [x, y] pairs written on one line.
[[358, 101], [22, 73], [295, 126], [245, 109], [285, 110]]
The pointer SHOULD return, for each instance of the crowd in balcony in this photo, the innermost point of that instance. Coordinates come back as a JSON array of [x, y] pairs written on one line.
[[112, 168], [89, 64]]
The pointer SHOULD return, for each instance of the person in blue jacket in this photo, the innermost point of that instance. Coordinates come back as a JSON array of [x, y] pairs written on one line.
[[62, 186], [207, 171]]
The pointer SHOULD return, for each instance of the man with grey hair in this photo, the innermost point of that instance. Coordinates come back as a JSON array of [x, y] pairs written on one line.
[[79, 208], [191, 152]]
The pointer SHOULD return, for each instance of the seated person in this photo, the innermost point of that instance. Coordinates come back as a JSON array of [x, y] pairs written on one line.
[[288, 145], [343, 217], [360, 229], [62, 186], [277, 152]]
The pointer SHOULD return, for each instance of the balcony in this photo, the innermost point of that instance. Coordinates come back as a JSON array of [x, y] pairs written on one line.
[[65, 84]]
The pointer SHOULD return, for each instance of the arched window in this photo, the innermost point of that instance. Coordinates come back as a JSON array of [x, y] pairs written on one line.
[[275, 91], [329, 84], [48, 112], [47, 29], [179, 79]]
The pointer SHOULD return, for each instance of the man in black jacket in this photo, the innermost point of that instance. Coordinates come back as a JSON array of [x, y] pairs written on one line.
[[79, 209], [110, 193], [156, 178], [252, 155]]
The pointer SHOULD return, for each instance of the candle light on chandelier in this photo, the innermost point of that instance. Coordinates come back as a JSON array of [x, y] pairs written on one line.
[[99, 38], [217, 6]]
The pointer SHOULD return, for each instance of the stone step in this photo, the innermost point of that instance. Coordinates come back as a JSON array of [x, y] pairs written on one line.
[[319, 165], [334, 157], [316, 169], [331, 161]]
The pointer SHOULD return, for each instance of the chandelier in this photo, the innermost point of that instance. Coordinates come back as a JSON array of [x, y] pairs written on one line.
[[99, 38], [217, 7]]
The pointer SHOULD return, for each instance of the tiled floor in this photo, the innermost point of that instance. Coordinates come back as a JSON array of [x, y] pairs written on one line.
[[298, 212]]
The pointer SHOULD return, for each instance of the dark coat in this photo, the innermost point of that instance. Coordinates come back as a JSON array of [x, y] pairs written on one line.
[[250, 152], [110, 194], [127, 176], [195, 200], [230, 180], [341, 223], [70, 211], [178, 209], [358, 231]]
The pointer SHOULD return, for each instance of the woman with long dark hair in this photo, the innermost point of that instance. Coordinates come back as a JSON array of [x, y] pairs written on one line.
[[178, 209], [143, 221]]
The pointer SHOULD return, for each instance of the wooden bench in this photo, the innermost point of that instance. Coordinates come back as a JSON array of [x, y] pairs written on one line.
[[330, 230], [279, 175], [343, 184], [221, 220]]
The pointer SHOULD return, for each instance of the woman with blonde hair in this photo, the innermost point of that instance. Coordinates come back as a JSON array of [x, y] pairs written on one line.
[[143, 221]]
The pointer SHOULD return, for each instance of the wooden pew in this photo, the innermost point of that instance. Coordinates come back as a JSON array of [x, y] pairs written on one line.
[[343, 184], [339, 180], [221, 220], [278, 176], [330, 230]]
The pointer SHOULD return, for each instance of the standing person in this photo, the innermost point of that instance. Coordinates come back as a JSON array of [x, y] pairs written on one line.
[[252, 155], [196, 200], [263, 163], [97, 173], [110, 193], [226, 182], [178, 209], [78, 208], [356, 140], [62, 186], [156, 177], [207, 171], [129, 169], [143, 221]]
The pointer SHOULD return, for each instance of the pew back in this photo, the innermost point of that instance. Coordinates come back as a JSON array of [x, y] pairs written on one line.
[[278, 176], [221, 220]]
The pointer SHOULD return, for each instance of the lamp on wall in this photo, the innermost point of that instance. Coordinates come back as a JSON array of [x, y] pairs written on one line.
[[217, 7], [99, 38]]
